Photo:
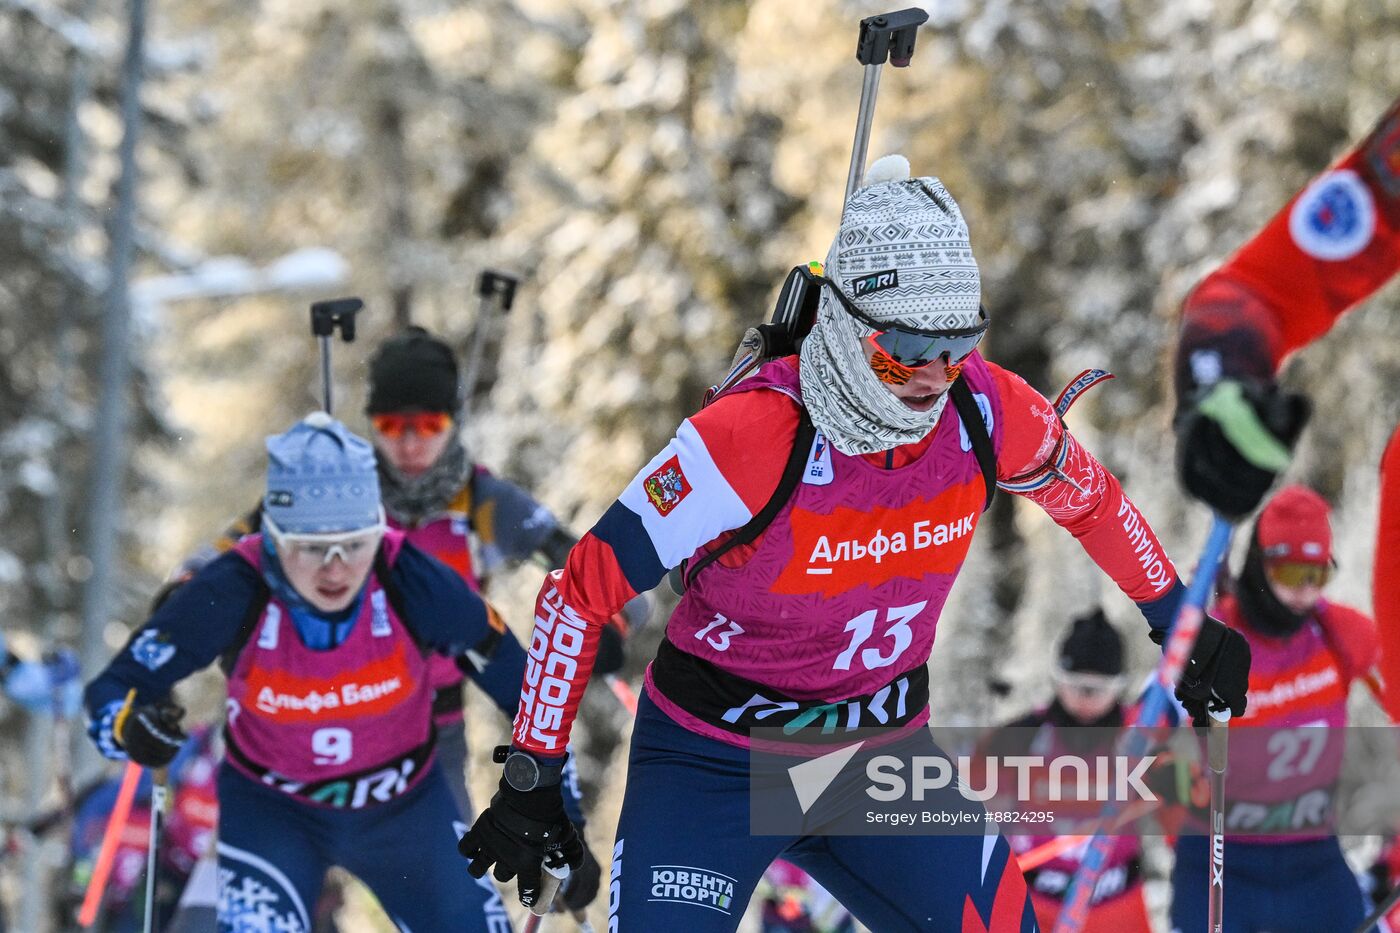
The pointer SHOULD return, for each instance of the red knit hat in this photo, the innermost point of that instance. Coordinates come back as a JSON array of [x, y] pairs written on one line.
[[1295, 526]]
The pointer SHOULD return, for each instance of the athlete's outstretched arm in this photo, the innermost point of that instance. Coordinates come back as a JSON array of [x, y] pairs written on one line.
[[1334, 244], [185, 634], [1041, 461]]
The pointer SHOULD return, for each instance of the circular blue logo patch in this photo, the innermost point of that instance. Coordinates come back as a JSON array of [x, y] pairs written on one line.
[[1334, 218]]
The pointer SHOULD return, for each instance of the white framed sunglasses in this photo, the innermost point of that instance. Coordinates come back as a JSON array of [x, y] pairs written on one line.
[[1088, 685], [318, 550]]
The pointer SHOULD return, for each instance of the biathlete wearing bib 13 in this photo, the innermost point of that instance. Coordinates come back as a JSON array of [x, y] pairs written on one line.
[[879, 536], [820, 613], [830, 614]]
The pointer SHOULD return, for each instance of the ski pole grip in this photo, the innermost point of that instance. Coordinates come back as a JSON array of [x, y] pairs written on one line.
[[497, 285], [337, 313], [550, 883], [889, 37], [1217, 740]]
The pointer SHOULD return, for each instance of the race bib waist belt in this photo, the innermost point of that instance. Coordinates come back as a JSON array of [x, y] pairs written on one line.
[[366, 788], [737, 705]]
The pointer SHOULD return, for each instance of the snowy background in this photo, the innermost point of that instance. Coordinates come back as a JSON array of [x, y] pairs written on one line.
[[649, 169]]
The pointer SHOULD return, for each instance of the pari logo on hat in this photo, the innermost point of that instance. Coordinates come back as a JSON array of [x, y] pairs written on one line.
[[874, 282], [321, 478]]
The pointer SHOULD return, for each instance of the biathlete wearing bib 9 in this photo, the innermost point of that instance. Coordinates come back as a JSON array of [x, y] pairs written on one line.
[[324, 626]]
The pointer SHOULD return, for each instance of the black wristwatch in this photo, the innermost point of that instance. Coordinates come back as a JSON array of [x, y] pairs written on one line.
[[524, 772]]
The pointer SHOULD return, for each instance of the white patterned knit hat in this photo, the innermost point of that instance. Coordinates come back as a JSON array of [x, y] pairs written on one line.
[[912, 228], [321, 478], [902, 255]]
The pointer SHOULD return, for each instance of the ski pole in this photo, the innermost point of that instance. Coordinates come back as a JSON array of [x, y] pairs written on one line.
[[889, 36], [550, 882], [326, 318], [493, 289], [1383, 908], [116, 820], [1181, 638], [157, 809], [1217, 754]]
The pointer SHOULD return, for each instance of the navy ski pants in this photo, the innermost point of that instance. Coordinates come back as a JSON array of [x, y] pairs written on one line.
[[1298, 887], [274, 852], [685, 859]]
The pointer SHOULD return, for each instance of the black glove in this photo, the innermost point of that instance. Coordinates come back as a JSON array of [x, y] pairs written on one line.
[[1233, 439], [1217, 675], [517, 832], [582, 886], [150, 735]]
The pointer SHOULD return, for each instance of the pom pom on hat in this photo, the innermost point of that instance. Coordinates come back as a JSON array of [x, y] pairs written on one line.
[[892, 167]]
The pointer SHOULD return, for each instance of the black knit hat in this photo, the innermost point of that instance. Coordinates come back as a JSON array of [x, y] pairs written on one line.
[[413, 372], [1092, 646]]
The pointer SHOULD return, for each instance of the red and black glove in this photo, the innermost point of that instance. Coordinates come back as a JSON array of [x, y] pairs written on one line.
[[517, 833]]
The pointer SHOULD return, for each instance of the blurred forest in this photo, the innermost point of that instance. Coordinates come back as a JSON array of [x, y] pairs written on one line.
[[649, 169]]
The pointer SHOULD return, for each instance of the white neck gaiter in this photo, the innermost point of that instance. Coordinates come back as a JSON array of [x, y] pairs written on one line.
[[847, 402]]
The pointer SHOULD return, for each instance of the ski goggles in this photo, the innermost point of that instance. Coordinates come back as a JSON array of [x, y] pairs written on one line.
[[1089, 686], [1296, 573], [901, 351], [423, 423], [313, 551]]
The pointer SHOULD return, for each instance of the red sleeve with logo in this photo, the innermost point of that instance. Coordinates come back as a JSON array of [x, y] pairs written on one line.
[[715, 474], [1085, 499], [1334, 244]]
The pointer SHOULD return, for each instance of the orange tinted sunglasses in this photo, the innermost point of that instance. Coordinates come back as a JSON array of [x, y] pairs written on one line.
[[422, 423], [1290, 573], [894, 373]]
